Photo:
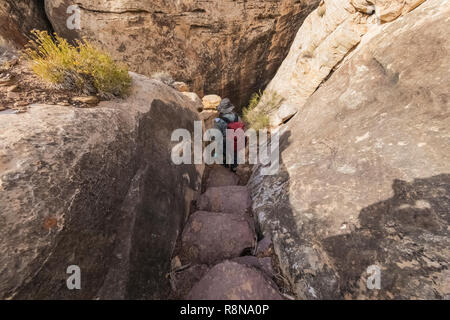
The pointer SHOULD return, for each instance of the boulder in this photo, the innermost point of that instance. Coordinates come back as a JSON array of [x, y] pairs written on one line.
[[225, 199], [181, 86], [263, 264], [226, 46], [77, 187], [208, 116], [234, 281], [184, 280], [211, 237], [219, 176], [364, 180], [194, 98], [327, 36], [18, 18], [211, 102]]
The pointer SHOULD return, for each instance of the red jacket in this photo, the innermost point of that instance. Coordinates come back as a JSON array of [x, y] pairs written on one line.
[[236, 126]]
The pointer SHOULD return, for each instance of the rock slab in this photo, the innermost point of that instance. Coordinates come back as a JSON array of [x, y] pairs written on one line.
[[234, 199], [327, 36], [219, 176], [364, 176], [234, 281], [210, 237], [77, 187]]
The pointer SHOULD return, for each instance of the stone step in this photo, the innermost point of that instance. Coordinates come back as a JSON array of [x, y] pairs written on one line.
[[263, 264], [184, 280], [234, 199], [210, 237], [234, 281], [219, 176]]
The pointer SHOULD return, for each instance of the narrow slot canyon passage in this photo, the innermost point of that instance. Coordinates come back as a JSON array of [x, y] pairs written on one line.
[[219, 254]]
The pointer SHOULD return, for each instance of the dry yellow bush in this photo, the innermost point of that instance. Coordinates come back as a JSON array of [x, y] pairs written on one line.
[[81, 67]]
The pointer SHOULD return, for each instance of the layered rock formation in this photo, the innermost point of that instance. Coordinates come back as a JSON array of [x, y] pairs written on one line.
[[18, 18], [96, 188], [229, 47], [365, 175], [326, 37]]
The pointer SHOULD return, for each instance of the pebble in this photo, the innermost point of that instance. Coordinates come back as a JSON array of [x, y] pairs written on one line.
[[88, 100]]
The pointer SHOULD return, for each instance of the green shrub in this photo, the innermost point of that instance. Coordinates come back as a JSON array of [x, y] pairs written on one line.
[[80, 67], [256, 115]]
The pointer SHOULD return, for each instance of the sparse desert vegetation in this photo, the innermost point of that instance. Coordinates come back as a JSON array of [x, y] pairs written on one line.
[[261, 104], [81, 67]]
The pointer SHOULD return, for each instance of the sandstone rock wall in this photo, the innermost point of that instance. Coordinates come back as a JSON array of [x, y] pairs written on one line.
[[95, 188], [365, 174], [326, 37], [17, 18], [231, 48]]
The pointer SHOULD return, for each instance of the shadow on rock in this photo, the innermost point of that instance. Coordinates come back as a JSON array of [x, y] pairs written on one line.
[[406, 236]]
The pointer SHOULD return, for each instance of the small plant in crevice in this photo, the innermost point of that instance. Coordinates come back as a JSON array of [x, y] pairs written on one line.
[[81, 67], [164, 77], [256, 114]]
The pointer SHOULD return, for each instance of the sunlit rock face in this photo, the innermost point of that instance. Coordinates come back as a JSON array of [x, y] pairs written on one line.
[[325, 39], [231, 48], [364, 181]]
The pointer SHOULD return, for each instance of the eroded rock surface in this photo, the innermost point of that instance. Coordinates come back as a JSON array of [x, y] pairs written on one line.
[[94, 188], [227, 47], [365, 173]]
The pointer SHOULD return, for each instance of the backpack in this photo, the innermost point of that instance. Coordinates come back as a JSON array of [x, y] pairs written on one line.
[[221, 125], [236, 125], [229, 117]]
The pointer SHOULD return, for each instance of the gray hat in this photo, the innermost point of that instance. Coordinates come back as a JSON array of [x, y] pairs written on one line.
[[225, 106]]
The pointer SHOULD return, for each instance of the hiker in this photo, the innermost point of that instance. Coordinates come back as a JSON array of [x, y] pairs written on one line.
[[221, 125], [226, 113], [233, 122]]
